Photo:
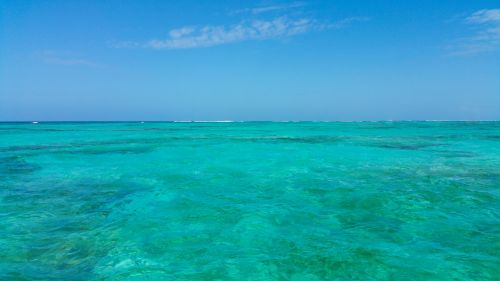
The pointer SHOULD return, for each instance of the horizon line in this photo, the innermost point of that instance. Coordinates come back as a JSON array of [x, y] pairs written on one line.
[[240, 121]]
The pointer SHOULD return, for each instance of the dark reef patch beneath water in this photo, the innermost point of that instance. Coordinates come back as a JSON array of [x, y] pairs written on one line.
[[47, 244], [16, 165], [403, 145]]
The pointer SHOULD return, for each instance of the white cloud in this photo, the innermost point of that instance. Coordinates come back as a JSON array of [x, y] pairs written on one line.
[[484, 16], [271, 8], [217, 35], [209, 35], [176, 33], [487, 33]]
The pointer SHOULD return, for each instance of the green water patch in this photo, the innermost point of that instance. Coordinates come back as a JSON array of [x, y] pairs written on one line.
[[251, 201]]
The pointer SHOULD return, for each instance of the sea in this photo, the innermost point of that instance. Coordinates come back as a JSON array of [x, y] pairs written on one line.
[[250, 201]]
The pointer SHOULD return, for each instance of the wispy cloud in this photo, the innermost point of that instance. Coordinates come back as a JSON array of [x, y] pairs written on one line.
[[64, 58], [207, 36], [486, 37], [484, 16], [270, 8]]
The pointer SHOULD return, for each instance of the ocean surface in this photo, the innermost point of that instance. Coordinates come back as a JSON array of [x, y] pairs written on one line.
[[250, 201]]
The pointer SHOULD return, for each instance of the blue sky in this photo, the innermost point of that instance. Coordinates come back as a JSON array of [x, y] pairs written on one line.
[[249, 60]]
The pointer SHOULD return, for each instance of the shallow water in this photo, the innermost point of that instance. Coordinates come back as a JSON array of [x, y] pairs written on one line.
[[250, 201]]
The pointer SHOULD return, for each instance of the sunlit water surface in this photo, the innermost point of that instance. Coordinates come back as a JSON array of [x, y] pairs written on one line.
[[250, 201]]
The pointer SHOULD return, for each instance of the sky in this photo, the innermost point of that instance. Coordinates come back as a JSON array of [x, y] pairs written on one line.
[[249, 60]]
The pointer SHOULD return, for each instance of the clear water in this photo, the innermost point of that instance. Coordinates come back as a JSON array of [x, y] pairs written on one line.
[[250, 201]]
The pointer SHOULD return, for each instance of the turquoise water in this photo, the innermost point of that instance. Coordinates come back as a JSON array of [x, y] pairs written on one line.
[[250, 201]]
